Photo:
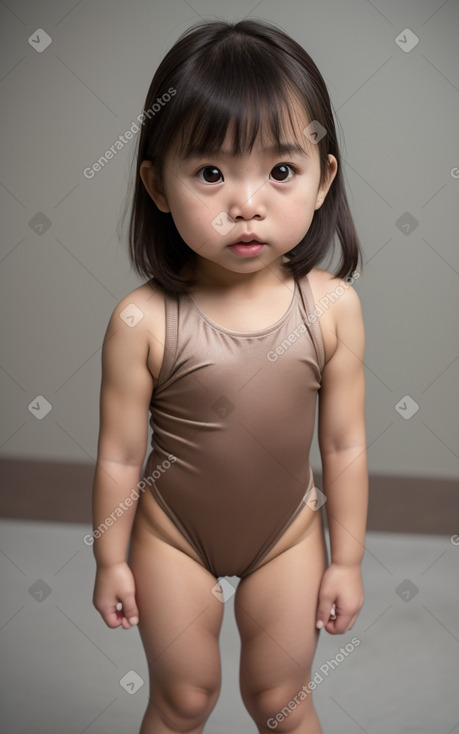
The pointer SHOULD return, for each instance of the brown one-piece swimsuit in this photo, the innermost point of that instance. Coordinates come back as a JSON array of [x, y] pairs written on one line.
[[237, 411]]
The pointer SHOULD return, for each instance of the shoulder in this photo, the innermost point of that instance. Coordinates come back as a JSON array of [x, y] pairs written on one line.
[[333, 294], [137, 323], [146, 301], [337, 306], [141, 307]]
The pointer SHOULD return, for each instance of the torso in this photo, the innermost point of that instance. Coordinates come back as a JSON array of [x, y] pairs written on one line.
[[150, 517]]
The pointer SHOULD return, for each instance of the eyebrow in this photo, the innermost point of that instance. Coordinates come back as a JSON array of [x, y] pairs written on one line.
[[276, 149], [286, 149]]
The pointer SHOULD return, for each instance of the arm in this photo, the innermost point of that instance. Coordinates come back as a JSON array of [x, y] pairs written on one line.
[[342, 443], [126, 390]]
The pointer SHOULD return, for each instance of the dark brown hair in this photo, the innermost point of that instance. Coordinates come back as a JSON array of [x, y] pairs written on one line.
[[242, 75]]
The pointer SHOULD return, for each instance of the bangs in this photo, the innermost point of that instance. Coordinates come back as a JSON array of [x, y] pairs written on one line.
[[238, 123], [236, 99]]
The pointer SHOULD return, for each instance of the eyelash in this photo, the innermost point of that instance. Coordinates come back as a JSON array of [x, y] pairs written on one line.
[[292, 168]]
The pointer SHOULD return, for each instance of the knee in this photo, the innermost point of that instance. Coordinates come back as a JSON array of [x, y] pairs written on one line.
[[275, 710], [186, 707]]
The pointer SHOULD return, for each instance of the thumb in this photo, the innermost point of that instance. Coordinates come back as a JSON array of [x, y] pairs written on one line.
[[128, 611], [325, 611]]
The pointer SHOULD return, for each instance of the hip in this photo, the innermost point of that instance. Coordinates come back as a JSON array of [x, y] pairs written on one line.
[[152, 520]]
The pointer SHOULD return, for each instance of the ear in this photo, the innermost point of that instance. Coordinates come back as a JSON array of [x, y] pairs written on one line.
[[323, 190], [153, 186]]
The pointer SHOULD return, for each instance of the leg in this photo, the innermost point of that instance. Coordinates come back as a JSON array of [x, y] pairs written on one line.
[[275, 611], [179, 623]]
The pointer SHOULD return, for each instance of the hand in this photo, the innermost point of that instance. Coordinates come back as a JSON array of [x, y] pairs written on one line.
[[340, 598], [114, 596]]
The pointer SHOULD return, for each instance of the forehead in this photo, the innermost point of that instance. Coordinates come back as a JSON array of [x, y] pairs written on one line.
[[264, 128]]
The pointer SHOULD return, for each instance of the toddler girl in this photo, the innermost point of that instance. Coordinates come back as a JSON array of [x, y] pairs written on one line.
[[238, 196]]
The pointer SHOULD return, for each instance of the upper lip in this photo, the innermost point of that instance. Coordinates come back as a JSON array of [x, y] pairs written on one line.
[[247, 238]]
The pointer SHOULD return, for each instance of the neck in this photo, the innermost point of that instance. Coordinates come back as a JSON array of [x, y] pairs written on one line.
[[211, 277]]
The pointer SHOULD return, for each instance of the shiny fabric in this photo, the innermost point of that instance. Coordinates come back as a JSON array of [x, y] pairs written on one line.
[[237, 411]]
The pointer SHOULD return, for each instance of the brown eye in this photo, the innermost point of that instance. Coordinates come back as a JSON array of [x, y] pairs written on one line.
[[210, 174], [282, 172]]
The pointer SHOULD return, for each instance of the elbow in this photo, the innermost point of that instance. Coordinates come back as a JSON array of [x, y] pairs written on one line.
[[345, 445]]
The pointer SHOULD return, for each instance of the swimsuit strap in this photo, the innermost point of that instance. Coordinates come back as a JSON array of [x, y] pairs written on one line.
[[170, 341], [312, 320]]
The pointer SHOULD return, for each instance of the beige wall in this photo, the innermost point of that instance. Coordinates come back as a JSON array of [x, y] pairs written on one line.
[[65, 106]]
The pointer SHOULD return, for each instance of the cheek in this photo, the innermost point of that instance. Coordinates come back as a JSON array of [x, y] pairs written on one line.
[[299, 209], [191, 218], [309, 198], [296, 223]]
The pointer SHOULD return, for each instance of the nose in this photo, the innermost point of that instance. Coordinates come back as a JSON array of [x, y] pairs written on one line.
[[247, 202]]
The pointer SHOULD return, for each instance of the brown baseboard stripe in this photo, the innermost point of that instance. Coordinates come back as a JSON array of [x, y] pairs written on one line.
[[48, 491]]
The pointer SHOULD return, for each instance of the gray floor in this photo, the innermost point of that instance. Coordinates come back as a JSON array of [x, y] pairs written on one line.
[[62, 667]]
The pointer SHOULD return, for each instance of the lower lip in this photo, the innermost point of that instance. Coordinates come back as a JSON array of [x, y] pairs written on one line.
[[247, 250]]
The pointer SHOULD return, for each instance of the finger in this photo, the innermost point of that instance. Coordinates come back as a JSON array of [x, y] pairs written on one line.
[[108, 613], [325, 610], [341, 624], [122, 621], [111, 618], [120, 616], [128, 611], [352, 621]]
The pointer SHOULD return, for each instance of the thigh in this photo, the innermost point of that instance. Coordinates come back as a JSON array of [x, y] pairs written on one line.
[[179, 616], [275, 611]]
